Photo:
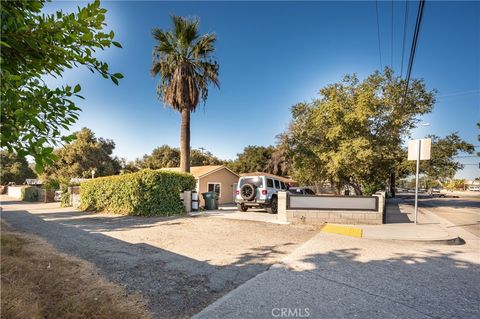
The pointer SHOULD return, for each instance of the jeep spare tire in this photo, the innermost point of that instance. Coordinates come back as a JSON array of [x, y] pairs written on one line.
[[248, 191]]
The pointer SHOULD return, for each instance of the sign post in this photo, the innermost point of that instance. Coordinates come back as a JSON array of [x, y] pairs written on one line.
[[418, 150]]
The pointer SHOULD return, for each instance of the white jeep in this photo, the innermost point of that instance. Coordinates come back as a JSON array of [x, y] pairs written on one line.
[[259, 191]]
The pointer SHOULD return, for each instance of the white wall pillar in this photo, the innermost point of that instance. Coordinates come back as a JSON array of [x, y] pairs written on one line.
[[187, 201], [282, 206]]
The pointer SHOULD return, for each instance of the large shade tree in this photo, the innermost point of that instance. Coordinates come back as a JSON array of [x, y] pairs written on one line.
[[183, 60], [79, 158], [35, 44], [14, 168], [354, 132]]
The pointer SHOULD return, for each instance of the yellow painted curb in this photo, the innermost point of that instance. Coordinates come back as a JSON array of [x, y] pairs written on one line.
[[342, 230]]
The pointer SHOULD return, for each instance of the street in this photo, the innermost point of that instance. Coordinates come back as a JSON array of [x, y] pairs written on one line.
[[463, 210]]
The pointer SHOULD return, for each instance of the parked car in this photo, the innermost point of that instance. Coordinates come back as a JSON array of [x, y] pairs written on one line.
[[259, 191], [58, 196], [436, 192], [474, 188], [300, 191]]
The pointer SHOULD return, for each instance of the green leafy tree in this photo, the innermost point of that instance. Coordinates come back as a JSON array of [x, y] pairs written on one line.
[[35, 45], [166, 156], [252, 159], [443, 164], [455, 184], [163, 156], [353, 133], [14, 168], [201, 158], [84, 154], [183, 60]]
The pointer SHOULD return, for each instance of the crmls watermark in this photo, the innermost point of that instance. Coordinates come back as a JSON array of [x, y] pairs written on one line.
[[291, 312]]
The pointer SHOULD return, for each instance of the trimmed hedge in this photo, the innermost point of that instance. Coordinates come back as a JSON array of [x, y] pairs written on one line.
[[144, 193], [29, 194]]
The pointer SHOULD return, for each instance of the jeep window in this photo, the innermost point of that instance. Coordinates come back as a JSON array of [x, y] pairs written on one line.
[[277, 184], [257, 181], [270, 182], [282, 184], [309, 191]]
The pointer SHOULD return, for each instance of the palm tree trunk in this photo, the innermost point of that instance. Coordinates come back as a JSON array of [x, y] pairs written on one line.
[[185, 141]]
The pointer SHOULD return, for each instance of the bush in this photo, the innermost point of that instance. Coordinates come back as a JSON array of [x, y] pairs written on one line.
[[144, 193], [30, 194], [51, 184]]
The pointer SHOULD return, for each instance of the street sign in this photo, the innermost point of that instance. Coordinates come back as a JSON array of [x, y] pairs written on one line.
[[425, 149], [418, 150]]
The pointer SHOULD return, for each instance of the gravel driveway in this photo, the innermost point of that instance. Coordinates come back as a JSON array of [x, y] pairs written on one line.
[[179, 264]]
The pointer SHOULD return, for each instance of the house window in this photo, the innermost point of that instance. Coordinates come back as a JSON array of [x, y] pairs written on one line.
[[215, 187]]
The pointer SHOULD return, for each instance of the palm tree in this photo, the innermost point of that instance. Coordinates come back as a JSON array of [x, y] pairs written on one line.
[[183, 59]]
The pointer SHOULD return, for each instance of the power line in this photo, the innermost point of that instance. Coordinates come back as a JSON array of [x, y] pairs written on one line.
[[378, 35], [418, 23], [461, 93], [465, 156], [404, 35], [391, 41]]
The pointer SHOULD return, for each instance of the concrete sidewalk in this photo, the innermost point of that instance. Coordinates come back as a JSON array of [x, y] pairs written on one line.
[[400, 225], [334, 276]]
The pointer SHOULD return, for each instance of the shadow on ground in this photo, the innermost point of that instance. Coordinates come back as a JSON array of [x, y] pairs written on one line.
[[175, 286], [418, 282]]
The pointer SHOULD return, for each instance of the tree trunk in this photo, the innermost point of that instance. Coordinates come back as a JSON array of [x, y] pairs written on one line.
[[392, 184], [356, 187], [185, 141]]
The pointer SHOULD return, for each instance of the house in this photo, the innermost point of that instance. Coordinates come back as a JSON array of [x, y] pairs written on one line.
[[213, 178]]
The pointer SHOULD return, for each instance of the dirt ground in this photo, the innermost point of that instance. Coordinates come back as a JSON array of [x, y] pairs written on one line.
[[37, 281], [179, 264]]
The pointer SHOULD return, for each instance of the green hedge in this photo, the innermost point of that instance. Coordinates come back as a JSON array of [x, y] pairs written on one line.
[[29, 194], [144, 193]]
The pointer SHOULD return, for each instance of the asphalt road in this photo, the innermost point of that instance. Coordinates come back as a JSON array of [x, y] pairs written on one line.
[[462, 210]]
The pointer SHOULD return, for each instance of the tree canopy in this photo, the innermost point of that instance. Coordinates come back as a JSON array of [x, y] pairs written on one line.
[[268, 159], [166, 156], [35, 45], [14, 168], [78, 158], [353, 133], [444, 163]]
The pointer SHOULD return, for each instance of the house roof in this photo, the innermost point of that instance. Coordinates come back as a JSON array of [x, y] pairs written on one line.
[[280, 178], [200, 171]]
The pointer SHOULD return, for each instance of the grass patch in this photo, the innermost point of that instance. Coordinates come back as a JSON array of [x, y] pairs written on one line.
[[37, 281]]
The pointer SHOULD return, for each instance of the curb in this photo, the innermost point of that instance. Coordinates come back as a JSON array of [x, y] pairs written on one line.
[[343, 230]]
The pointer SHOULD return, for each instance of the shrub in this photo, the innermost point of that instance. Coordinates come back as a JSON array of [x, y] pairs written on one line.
[[29, 194], [144, 193], [51, 184]]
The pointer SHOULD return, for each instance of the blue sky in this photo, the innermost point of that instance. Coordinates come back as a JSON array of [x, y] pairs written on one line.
[[273, 55]]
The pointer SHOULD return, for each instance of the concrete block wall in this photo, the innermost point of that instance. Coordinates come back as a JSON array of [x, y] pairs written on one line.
[[15, 191], [330, 216]]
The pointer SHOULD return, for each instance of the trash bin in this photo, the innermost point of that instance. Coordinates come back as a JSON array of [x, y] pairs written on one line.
[[211, 200]]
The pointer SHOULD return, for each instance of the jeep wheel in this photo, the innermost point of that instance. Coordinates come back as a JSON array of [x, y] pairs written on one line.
[[242, 207], [273, 206]]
